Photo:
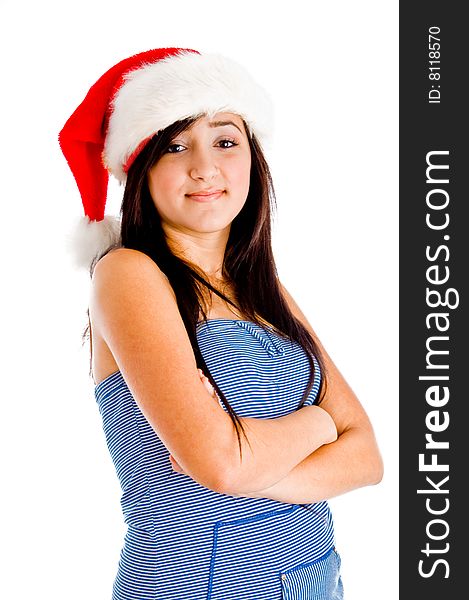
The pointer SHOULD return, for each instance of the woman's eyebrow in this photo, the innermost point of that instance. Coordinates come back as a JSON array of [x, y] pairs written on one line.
[[221, 123]]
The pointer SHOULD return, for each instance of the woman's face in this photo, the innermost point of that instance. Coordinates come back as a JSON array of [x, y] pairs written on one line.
[[201, 182]]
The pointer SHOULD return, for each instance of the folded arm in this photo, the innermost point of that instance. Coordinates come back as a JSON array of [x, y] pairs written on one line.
[[352, 461], [348, 463], [133, 309]]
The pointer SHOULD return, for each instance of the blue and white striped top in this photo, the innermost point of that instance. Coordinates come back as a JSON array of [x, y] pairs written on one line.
[[185, 541]]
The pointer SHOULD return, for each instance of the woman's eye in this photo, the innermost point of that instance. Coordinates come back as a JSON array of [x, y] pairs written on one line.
[[226, 143], [174, 148], [178, 148]]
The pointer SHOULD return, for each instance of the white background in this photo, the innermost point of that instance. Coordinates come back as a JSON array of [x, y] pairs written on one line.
[[331, 69]]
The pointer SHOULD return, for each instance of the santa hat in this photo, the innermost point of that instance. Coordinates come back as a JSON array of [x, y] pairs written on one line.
[[128, 105]]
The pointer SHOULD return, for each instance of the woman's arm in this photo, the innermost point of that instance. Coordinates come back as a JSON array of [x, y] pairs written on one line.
[[322, 429], [134, 309], [329, 471], [352, 461]]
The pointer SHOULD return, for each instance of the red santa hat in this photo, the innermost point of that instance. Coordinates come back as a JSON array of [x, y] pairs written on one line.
[[129, 104]]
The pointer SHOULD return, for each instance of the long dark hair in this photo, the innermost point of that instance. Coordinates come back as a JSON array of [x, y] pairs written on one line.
[[248, 264]]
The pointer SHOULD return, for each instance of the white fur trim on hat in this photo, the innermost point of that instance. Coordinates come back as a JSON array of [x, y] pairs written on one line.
[[90, 239], [177, 87]]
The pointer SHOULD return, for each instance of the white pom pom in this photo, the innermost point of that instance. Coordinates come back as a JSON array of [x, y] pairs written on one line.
[[89, 239]]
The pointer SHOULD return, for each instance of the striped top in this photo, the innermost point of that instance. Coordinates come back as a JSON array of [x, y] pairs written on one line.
[[184, 541]]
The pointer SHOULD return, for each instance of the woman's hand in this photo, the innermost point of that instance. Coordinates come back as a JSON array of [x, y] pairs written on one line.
[[211, 390]]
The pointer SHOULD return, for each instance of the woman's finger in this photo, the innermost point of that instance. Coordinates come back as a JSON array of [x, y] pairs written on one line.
[[208, 386], [175, 465]]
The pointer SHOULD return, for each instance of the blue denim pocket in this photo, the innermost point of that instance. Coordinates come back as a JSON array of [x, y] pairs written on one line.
[[317, 580]]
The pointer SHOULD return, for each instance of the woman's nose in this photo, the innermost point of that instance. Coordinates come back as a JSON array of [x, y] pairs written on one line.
[[203, 165]]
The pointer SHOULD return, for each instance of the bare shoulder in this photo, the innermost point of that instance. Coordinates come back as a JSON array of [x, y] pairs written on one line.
[[127, 263], [125, 282], [120, 279], [127, 270]]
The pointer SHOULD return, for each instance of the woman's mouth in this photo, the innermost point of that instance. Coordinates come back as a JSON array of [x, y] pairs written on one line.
[[207, 196]]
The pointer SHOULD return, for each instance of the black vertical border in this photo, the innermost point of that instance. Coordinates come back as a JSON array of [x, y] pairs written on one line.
[[426, 127]]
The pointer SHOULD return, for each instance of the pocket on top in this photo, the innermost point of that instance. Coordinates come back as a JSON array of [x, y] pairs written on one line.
[[317, 580]]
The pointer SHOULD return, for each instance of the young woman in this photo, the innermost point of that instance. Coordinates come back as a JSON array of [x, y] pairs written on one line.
[[228, 424]]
